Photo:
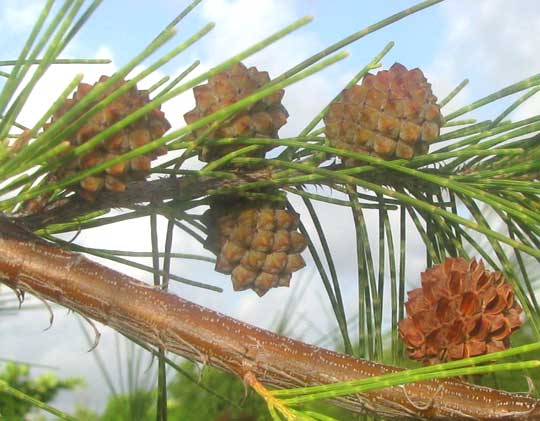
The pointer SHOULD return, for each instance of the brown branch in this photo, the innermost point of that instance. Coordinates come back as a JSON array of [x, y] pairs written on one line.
[[164, 320], [184, 188]]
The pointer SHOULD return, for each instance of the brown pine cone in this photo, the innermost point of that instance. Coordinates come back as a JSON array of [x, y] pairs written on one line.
[[262, 119], [462, 310], [147, 128], [257, 243], [392, 114]]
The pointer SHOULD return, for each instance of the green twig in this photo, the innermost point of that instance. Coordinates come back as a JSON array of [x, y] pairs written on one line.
[[7, 389], [453, 94]]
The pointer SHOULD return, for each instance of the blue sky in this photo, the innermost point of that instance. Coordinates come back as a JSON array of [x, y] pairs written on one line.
[[492, 42], [117, 25]]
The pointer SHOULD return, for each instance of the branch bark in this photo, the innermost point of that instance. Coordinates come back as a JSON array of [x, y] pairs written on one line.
[[184, 188], [28, 263]]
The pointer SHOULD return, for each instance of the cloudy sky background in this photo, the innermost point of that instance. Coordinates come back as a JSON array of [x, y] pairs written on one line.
[[491, 42]]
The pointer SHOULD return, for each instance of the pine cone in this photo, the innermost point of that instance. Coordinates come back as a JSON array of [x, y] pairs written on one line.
[[262, 119], [147, 128], [258, 243], [392, 114], [461, 311]]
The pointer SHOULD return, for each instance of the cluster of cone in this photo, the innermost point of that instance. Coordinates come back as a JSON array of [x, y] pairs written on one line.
[[258, 243], [462, 310], [271, 243]]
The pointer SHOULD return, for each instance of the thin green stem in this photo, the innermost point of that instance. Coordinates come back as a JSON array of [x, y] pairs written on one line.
[[181, 16], [137, 265], [18, 72], [447, 368], [454, 92], [5, 388], [179, 78], [57, 61], [515, 105], [460, 122], [333, 273], [58, 24], [324, 277], [357, 35], [381, 382], [509, 90], [365, 313], [316, 174], [311, 125], [393, 285], [158, 83]]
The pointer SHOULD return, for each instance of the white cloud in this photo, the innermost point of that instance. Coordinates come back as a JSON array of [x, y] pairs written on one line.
[[236, 18], [493, 42], [19, 18]]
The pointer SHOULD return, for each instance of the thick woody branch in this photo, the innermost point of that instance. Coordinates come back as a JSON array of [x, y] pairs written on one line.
[[162, 319]]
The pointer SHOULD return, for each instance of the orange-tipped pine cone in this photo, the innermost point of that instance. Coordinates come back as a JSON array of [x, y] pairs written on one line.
[[147, 128], [462, 310], [262, 119], [257, 243], [392, 114]]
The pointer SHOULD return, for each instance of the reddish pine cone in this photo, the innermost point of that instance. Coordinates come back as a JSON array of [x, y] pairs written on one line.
[[147, 128], [262, 119], [258, 244], [392, 114], [461, 311]]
